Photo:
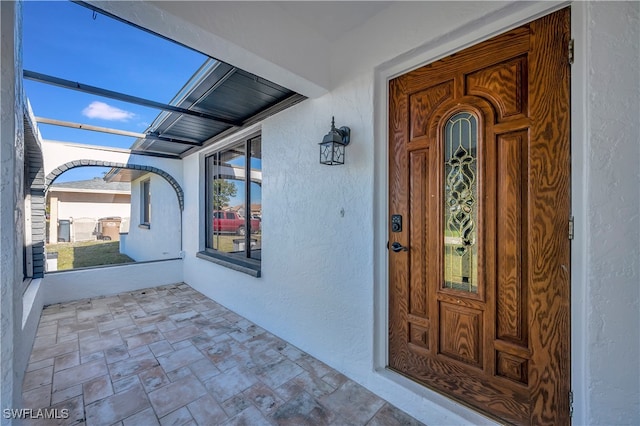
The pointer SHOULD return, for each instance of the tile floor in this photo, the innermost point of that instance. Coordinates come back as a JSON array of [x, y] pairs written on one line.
[[170, 356]]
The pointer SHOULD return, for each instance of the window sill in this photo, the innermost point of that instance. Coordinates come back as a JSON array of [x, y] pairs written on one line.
[[144, 226], [247, 266]]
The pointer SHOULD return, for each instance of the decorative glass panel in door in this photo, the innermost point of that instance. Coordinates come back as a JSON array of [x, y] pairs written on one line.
[[461, 203]]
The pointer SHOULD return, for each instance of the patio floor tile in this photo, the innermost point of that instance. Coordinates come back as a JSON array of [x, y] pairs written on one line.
[[117, 407], [99, 343], [182, 333], [180, 417], [160, 348], [206, 410], [176, 394], [62, 362], [352, 403], [264, 398], [249, 417], [130, 366], [52, 350], [116, 353], [97, 389], [63, 395], [143, 418], [78, 374], [303, 410], [40, 364], [231, 382], [204, 369], [235, 405], [75, 409], [389, 416], [180, 358], [36, 378], [143, 339], [170, 356], [38, 397], [153, 378]]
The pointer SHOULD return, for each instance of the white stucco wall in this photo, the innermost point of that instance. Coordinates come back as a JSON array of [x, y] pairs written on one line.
[[318, 283], [57, 153], [65, 286], [11, 207], [611, 213], [162, 240], [32, 303]]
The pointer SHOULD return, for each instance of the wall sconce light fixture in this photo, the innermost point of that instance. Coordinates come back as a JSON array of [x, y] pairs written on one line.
[[333, 143]]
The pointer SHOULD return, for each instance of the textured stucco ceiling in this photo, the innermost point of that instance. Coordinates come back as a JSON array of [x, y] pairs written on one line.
[[332, 19]]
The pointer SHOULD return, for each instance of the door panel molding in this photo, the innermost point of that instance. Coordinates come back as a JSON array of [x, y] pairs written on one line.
[[505, 349]]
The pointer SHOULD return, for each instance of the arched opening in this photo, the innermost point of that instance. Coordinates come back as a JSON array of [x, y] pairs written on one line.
[[110, 213], [53, 175]]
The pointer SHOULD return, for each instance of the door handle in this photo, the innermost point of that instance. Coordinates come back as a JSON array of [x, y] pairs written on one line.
[[397, 247]]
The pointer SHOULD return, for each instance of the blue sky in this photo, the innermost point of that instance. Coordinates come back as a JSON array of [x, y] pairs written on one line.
[[64, 40]]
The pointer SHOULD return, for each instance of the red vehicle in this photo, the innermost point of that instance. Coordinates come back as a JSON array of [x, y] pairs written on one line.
[[232, 222]]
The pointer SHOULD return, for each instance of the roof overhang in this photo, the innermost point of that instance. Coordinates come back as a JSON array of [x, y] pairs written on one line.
[[117, 174], [218, 100], [231, 98], [53, 189]]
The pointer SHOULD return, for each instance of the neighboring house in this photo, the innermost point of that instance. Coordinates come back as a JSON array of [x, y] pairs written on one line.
[[256, 210], [80, 204], [549, 329]]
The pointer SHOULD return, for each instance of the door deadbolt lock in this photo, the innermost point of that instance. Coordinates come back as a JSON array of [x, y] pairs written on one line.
[[396, 223]]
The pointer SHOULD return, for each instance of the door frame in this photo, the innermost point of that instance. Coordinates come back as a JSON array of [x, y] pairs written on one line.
[[511, 16]]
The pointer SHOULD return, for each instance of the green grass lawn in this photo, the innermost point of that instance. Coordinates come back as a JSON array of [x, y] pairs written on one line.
[[224, 242], [88, 253]]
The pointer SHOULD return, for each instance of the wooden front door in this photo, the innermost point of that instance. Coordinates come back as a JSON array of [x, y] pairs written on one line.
[[479, 213]]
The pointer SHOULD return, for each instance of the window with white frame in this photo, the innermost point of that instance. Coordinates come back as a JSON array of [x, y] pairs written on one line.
[[145, 203], [234, 203]]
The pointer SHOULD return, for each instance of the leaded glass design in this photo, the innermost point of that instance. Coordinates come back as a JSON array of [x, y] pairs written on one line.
[[331, 153], [461, 205]]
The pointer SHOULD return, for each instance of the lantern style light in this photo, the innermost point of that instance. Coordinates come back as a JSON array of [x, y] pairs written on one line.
[[332, 147]]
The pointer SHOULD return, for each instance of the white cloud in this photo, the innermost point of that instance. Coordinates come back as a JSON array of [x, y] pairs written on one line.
[[106, 112]]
